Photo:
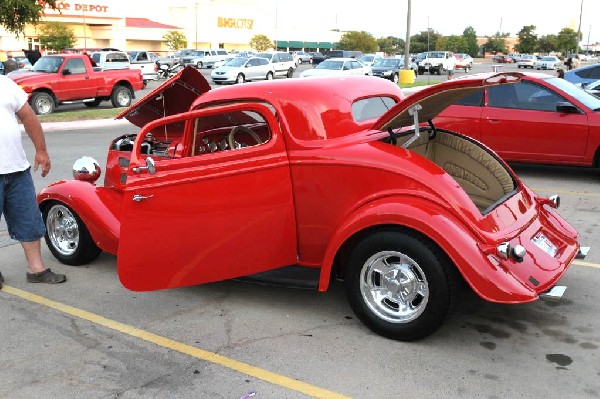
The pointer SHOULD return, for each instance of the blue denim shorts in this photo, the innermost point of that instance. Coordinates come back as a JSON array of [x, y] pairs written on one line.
[[19, 206]]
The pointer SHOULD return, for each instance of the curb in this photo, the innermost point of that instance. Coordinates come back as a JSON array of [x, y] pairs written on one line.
[[53, 126]]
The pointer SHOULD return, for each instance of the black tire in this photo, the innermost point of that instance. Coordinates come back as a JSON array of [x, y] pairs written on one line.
[[121, 97], [240, 78], [395, 78], [199, 65], [42, 103], [269, 75], [421, 71], [420, 286], [93, 104], [290, 73], [67, 236]]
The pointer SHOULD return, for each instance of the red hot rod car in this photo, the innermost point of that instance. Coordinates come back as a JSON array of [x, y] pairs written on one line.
[[302, 180]]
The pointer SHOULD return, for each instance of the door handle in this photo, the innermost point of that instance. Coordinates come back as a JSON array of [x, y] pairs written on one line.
[[140, 197]]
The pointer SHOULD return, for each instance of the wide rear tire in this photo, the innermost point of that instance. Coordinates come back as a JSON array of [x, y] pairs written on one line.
[[400, 284]]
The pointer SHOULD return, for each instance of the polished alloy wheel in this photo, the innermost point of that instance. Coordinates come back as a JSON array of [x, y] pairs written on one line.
[[63, 230], [394, 287]]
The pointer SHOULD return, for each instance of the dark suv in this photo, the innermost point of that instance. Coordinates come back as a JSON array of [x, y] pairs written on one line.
[[389, 68]]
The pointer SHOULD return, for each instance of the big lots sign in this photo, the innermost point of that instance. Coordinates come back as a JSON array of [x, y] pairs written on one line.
[[62, 6]]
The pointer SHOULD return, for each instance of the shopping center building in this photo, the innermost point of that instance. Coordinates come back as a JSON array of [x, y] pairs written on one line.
[[128, 25]]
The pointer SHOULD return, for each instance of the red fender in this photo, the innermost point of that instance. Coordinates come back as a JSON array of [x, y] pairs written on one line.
[[99, 207], [490, 281]]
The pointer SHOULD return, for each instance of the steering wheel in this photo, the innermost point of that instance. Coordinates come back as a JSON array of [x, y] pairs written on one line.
[[241, 129]]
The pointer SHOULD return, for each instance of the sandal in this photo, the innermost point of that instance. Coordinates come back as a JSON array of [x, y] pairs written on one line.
[[47, 276]]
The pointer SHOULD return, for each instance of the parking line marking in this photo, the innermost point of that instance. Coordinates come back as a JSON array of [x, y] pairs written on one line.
[[586, 264], [566, 192], [244, 368]]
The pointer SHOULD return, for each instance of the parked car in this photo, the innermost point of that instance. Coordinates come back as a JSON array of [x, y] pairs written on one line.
[[317, 178], [585, 74], [548, 62], [111, 59], [303, 57], [225, 60], [526, 61], [242, 69], [317, 57], [389, 68], [463, 61], [591, 87], [343, 54], [541, 119], [203, 58], [369, 59], [337, 66], [434, 62], [283, 63], [70, 78], [503, 59]]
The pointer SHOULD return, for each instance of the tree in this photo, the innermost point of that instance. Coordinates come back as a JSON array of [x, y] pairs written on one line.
[[423, 41], [527, 40], [390, 44], [497, 43], [175, 40], [261, 43], [568, 41], [456, 44], [470, 37], [56, 36], [361, 41], [16, 14], [547, 44]]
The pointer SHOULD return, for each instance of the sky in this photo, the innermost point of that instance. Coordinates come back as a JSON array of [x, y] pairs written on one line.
[[447, 17]]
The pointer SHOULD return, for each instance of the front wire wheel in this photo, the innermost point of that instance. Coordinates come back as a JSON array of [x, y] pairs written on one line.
[[399, 284], [67, 236]]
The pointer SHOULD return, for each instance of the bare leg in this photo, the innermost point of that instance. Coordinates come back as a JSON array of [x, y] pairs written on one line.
[[33, 253]]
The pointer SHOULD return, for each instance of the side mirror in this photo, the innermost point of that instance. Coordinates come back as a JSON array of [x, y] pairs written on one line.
[[567, 108], [66, 71], [150, 167]]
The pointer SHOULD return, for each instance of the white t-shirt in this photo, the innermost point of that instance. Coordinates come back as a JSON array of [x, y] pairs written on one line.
[[12, 153]]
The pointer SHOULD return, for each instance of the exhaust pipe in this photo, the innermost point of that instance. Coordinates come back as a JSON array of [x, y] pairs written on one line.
[[583, 251], [554, 294]]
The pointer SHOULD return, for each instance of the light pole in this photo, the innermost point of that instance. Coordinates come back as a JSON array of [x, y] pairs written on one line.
[[196, 16]]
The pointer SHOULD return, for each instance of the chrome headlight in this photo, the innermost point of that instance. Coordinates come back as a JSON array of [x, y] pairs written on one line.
[[86, 169]]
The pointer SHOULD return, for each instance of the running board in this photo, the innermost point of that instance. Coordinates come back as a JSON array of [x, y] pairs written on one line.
[[289, 276], [583, 251], [554, 294], [84, 100]]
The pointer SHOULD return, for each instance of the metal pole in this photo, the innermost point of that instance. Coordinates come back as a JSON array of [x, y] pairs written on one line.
[[407, 42], [196, 15]]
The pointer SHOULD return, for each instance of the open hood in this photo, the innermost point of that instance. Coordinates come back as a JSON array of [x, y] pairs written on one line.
[[432, 100], [174, 96]]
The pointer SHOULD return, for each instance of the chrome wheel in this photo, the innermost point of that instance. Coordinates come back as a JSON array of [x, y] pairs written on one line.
[[62, 230], [394, 287]]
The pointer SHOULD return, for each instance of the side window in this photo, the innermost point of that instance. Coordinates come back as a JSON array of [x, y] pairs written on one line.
[[262, 61], [76, 66], [276, 58], [371, 108], [229, 131], [502, 96], [474, 99], [253, 62], [142, 56], [535, 97]]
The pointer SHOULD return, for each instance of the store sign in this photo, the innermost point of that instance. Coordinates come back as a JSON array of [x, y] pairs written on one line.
[[235, 23], [62, 6]]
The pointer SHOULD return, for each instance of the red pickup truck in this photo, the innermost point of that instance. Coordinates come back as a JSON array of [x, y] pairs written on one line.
[[71, 78]]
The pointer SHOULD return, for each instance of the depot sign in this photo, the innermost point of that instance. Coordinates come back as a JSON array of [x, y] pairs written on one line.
[[65, 6], [235, 23]]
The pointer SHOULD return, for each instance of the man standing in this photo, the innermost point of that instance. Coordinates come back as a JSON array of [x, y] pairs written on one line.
[[10, 64], [17, 193], [451, 64]]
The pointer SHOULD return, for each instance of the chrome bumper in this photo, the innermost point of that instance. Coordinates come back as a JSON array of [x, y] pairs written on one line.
[[553, 294]]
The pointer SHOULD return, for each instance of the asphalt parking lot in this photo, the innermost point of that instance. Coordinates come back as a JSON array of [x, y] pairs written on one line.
[[92, 338]]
